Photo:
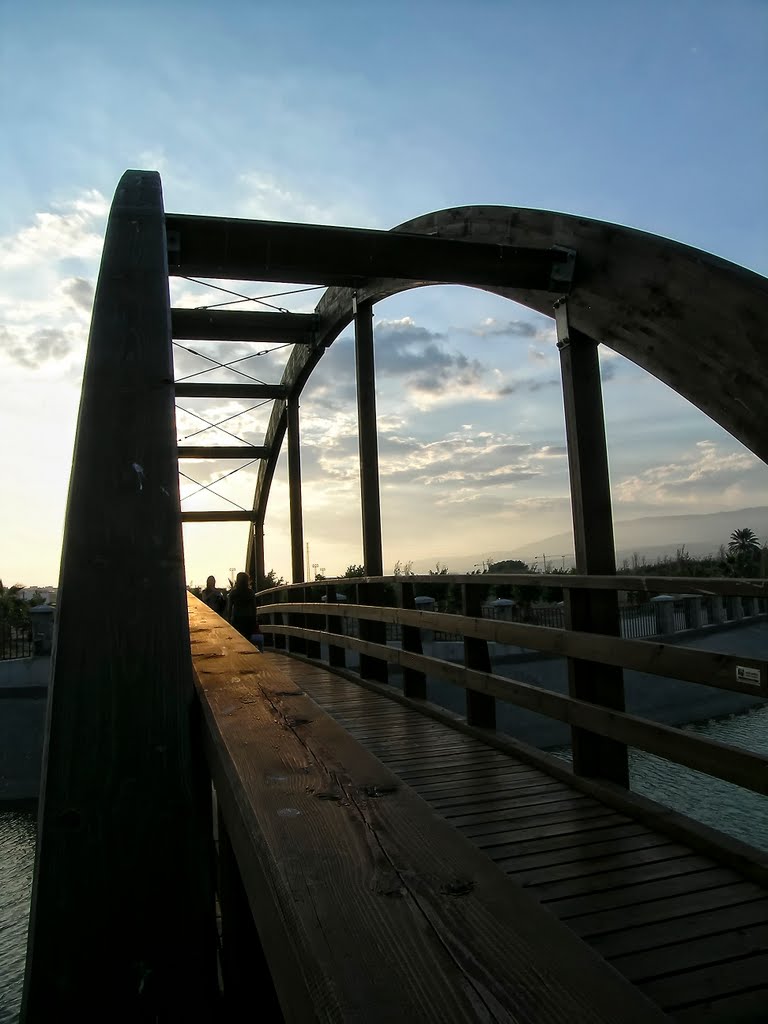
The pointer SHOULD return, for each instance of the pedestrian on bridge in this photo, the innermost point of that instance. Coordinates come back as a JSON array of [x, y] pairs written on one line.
[[213, 597], [241, 606]]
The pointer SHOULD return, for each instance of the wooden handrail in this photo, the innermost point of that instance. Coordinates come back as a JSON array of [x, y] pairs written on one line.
[[698, 586], [705, 667], [711, 757]]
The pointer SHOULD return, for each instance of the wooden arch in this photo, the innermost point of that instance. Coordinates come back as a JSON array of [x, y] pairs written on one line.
[[695, 321]]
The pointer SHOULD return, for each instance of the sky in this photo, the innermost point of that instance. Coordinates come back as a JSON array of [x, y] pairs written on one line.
[[648, 114]]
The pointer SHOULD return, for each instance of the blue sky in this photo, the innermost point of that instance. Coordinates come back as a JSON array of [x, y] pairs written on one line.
[[645, 114]]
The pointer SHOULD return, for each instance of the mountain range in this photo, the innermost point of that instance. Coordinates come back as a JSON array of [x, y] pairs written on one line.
[[650, 537]]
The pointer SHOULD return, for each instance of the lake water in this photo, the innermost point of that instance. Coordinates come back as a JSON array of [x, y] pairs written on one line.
[[720, 804]]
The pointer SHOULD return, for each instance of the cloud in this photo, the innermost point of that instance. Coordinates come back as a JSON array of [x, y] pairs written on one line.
[[30, 351], [76, 232], [80, 292], [266, 198], [490, 327], [528, 385], [704, 474]]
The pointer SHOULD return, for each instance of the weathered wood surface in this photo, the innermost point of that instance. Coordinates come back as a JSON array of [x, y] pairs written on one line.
[[122, 925], [723, 760], [369, 906], [709, 668], [662, 913]]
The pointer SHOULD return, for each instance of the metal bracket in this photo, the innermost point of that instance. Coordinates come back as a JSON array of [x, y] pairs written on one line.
[[561, 323], [561, 277]]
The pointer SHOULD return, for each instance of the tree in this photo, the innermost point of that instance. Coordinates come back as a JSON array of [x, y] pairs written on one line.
[[354, 572], [273, 580], [744, 544], [13, 608]]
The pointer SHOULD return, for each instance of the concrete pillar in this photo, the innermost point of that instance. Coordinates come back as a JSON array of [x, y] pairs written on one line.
[[42, 627], [718, 610], [692, 609], [664, 607]]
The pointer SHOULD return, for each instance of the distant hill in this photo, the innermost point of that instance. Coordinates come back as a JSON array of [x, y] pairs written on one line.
[[651, 537]]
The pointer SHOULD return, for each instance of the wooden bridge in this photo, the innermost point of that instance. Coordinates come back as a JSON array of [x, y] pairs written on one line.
[[303, 834]]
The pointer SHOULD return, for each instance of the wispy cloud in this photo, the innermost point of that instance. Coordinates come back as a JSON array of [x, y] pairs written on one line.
[[705, 474], [76, 231]]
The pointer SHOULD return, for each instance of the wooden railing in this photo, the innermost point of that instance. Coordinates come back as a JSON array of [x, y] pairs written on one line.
[[317, 620]]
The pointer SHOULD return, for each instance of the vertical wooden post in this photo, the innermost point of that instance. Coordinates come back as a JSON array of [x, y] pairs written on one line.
[[294, 492], [122, 924], [336, 654], [372, 667], [414, 682], [368, 440], [481, 708], [258, 572], [315, 621], [590, 610]]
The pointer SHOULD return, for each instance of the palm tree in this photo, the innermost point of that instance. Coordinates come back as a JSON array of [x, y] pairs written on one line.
[[744, 544]]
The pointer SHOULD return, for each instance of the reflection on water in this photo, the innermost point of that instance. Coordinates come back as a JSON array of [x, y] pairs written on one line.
[[17, 852], [719, 804]]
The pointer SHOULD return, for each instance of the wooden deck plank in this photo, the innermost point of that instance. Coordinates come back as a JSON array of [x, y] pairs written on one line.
[[492, 793], [503, 774], [668, 931], [711, 949], [651, 888], [698, 986], [575, 849], [607, 869], [557, 822], [487, 762], [745, 1008], [563, 844], [667, 910], [531, 809]]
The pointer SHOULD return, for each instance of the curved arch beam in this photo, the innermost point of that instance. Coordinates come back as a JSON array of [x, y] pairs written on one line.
[[695, 321]]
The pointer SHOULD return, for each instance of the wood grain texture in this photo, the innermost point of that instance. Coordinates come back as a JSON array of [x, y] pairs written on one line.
[[590, 861], [368, 905]]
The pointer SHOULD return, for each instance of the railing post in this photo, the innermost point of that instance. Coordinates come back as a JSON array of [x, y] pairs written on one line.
[[336, 655], [372, 667], [414, 682], [279, 619], [481, 707], [317, 622], [590, 611], [367, 439], [297, 644]]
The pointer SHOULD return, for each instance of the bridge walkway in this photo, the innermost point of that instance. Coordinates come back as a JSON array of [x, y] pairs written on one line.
[[690, 932]]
